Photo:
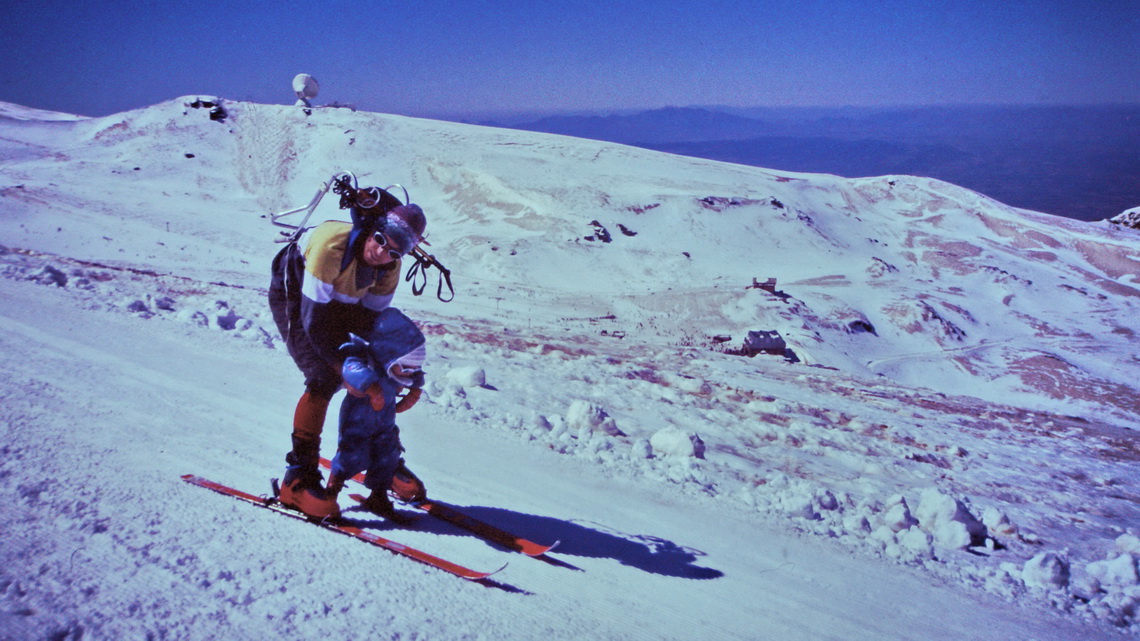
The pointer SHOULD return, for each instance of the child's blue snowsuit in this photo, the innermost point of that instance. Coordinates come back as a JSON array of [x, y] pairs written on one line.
[[369, 439]]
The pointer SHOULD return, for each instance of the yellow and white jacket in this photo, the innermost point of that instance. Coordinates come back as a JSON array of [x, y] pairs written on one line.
[[340, 292]]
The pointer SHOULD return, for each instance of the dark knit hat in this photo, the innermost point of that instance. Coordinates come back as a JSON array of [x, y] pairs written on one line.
[[405, 226]]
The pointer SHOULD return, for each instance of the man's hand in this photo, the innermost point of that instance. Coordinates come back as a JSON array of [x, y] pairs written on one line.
[[374, 394], [410, 399]]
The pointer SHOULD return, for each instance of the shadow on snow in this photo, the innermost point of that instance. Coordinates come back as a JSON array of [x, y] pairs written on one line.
[[645, 552]]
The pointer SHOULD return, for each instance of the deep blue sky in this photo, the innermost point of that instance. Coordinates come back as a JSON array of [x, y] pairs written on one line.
[[449, 57]]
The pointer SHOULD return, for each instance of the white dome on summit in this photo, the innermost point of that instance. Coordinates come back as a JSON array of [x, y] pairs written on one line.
[[305, 86]]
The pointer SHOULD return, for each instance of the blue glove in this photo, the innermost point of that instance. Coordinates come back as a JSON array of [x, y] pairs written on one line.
[[356, 346], [358, 375], [418, 380]]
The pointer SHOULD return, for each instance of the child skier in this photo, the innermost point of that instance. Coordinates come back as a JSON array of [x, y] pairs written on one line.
[[375, 371]]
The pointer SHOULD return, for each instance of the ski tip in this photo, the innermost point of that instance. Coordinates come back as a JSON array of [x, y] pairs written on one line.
[[530, 548], [479, 576], [540, 550]]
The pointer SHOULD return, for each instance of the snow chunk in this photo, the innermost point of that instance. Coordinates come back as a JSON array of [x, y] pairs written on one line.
[[641, 449], [917, 543], [1128, 544], [1047, 570], [1118, 573], [586, 416], [998, 522], [466, 377], [447, 394], [857, 524], [672, 441], [948, 520], [540, 425], [896, 514], [194, 317], [687, 383], [826, 500], [799, 504]]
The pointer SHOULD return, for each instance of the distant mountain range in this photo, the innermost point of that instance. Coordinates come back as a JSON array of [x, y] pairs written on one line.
[[1080, 162]]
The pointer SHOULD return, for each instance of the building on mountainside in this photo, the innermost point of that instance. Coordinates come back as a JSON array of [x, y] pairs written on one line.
[[764, 342], [768, 285]]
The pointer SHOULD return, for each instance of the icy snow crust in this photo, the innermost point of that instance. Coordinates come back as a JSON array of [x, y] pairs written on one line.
[[952, 455]]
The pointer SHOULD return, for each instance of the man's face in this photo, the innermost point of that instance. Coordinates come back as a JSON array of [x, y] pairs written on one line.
[[377, 254]]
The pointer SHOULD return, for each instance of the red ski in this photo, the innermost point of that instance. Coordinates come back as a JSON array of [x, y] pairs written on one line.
[[484, 530], [343, 528], [480, 528]]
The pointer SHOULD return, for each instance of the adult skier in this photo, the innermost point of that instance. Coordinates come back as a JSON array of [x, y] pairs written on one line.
[[335, 280]]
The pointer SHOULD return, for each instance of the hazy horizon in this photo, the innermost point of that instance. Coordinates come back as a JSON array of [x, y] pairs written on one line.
[[1072, 161], [484, 115], [601, 111]]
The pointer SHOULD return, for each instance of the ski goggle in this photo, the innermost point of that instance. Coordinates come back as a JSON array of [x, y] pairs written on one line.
[[383, 241]]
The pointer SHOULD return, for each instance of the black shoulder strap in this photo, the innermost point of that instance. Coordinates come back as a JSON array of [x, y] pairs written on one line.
[[417, 275]]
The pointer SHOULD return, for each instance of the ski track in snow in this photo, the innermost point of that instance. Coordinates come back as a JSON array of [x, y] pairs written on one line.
[[695, 494]]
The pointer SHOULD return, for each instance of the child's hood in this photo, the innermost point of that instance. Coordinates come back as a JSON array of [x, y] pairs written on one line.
[[393, 336]]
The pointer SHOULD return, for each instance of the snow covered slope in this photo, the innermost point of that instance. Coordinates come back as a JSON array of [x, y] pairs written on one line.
[[958, 292], [962, 405]]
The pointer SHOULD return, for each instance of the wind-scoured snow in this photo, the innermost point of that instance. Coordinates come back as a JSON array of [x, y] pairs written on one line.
[[947, 449]]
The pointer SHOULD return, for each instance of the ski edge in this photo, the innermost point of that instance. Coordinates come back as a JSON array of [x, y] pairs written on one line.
[[343, 528], [455, 517]]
